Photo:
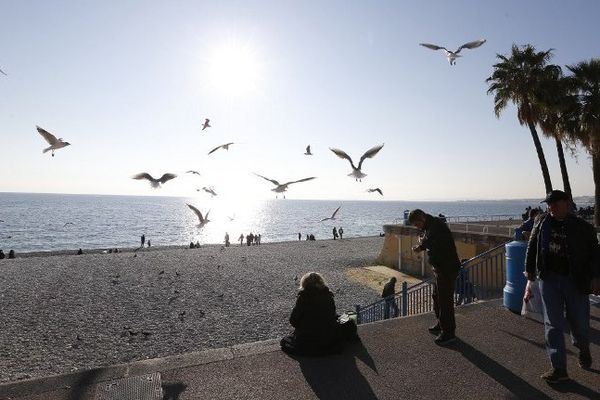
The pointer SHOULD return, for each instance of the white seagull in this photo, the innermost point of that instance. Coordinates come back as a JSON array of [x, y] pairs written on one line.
[[356, 172], [283, 187], [191, 171], [231, 218], [308, 153], [210, 190], [375, 190], [206, 124], [453, 55], [54, 143], [203, 219], [223, 146], [332, 215], [155, 183]]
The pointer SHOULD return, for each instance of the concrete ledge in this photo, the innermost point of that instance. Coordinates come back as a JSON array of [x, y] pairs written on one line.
[[118, 371]]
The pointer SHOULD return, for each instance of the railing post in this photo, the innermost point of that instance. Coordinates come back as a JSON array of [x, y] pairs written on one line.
[[357, 310], [404, 299]]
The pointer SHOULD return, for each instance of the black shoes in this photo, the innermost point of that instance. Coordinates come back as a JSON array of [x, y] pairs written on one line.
[[444, 338], [555, 376], [585, 359], [435, 329]]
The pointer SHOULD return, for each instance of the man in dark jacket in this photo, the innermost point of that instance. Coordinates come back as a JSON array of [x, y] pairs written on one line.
[[389, 290], [441, 251], [563, 253]]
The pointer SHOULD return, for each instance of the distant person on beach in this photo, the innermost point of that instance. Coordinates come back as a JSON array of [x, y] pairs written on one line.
[[299, 236], [241, 239], [259, 238], [389, 290], [149, 244], [307, 237], [226, 239], [563, 253], [11, 254], [527, 226], [442, 217], [341, 232], [143, 240], [314, 320], [335, 233], [197, 244], [312, 237], [191, 245], [2, 255], [248, 239], [441, 251], [79, 252]]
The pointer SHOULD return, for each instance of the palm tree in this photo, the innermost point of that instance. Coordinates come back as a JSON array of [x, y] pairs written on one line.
[[585, 85], [517, 79]]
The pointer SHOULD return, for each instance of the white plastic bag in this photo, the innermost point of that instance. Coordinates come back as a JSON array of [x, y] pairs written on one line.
[[533, 308]]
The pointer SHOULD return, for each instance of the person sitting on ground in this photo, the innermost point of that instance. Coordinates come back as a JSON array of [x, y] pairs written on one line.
[[11, 254], [2, 255], [314, 320], [197, 244], [79, 252], [191, 245], [312, 237]]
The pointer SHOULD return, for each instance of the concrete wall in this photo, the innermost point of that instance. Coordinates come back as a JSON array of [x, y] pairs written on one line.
[[399, 240]]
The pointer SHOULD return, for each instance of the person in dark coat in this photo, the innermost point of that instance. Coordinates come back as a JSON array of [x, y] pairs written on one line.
[[563, 253], [314, 320], [441, 251], [2, 255], [389, 290], [11, 254], [142, 240]]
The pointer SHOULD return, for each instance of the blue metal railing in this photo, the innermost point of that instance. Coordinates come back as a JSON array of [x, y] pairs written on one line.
[[480, 278]]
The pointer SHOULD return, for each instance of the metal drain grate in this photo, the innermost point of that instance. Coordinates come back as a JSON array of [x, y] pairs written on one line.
[[142, 387]]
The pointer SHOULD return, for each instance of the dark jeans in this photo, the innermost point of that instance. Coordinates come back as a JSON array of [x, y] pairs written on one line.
[[390, 305], [559, 293], [443, 301]]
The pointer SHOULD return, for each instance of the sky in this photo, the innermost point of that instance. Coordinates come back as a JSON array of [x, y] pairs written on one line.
[[129, 84]]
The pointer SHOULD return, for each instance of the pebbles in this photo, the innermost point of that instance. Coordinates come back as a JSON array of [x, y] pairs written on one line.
[[61, 313]]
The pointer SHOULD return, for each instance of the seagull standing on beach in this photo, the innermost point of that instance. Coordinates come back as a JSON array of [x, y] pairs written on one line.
[[210, 190], [356, 172], [453, 55], [332, 215], [206, 124], [283, 187], [203, 219], [375, 190], [155, 183], [308, 153], [223, 146], [54, 143]]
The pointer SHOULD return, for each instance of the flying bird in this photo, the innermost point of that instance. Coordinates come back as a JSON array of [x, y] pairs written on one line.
[[231, 218], [308, 153], [54, 143], [68, 223], [3, 73], [206, 124], [210, 190], [283, 187], [453, 55], [375, 190], [223, 146], [203, 219], [155, 183], [356, 172], [332, 215], [191, 171]]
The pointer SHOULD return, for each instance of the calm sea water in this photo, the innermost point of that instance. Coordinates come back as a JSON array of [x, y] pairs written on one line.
[[36, 222]]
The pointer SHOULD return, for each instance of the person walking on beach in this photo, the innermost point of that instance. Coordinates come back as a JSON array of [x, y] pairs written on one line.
[[226, 239], [441, 251], [299, 236], [259, 238], [335, 233], [2, 255], [149, 244], [241, 239], [143, 240], [249, 239], [390, 302], [563, 253], [11, 254], [341, 232]]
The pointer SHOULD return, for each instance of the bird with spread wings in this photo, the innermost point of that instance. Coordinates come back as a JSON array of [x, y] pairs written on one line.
[[356, 173]]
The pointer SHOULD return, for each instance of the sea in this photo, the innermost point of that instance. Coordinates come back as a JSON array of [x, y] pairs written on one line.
[[50, 222]]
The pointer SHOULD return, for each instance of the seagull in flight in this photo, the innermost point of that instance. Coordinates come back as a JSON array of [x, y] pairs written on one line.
[[308, 153], [155, 183], [3, 73], [191, 171], [375, 190], [453, 55], [67, 224], [210, 190], [206, 124], [203, 219], [283, 187], [223, 146], [231, 218], [356, 172], [54, 143], [332, 215]]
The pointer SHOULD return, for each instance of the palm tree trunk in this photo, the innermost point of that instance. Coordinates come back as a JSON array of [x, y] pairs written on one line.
[[596, 171], [541, 157], [563, 168]]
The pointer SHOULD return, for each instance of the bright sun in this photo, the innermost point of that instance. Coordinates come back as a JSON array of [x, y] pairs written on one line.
[[234, 69]]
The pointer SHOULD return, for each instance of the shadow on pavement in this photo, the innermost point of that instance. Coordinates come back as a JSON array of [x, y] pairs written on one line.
[[338, 377], [577, 388], [82, 389], [171, 391], [516, 385]]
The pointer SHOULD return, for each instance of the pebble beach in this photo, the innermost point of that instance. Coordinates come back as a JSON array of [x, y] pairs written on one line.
[[63, 312]]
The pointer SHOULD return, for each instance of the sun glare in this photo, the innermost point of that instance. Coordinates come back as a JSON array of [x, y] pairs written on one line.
[[234, 69]]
